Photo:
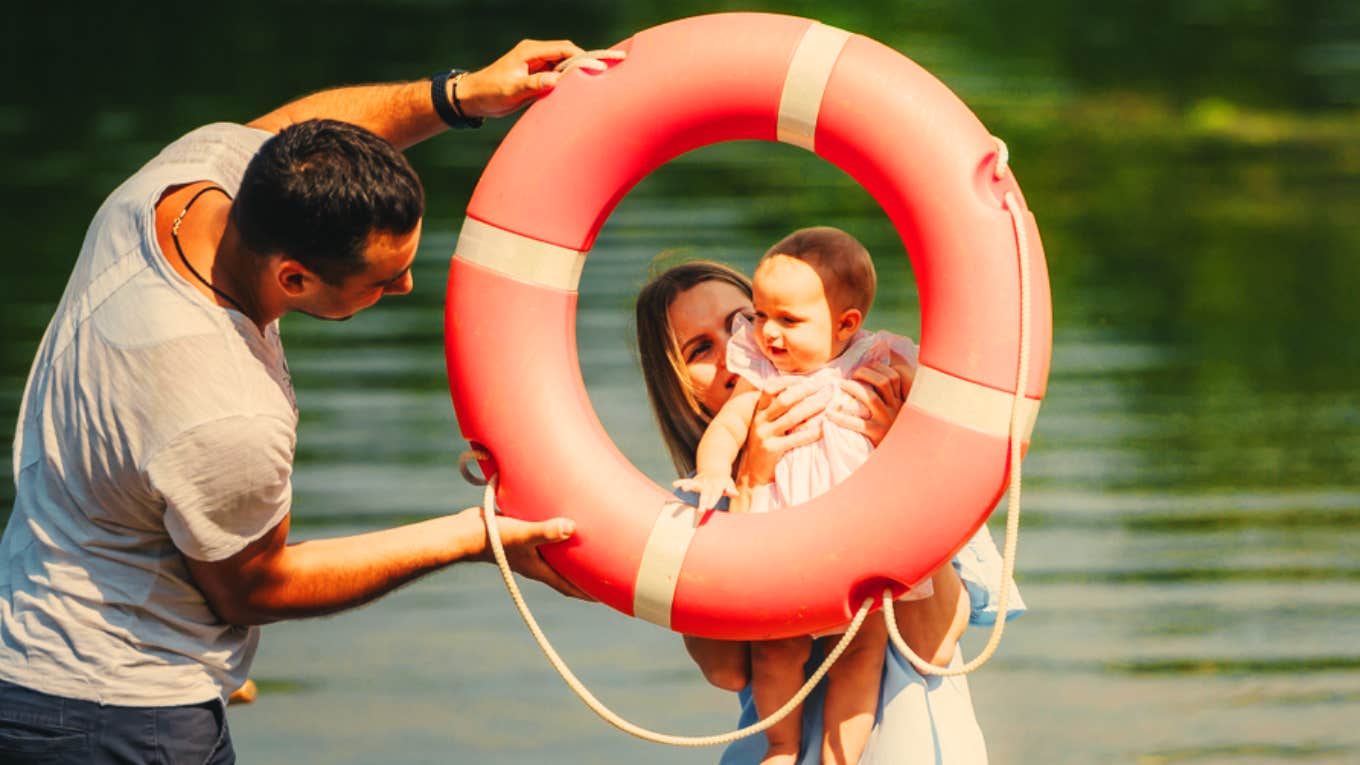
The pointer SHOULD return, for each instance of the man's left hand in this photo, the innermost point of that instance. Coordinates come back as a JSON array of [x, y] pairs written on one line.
[[522, 74]]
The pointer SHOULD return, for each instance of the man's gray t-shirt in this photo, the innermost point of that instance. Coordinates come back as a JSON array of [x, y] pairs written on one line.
[[155, 425]]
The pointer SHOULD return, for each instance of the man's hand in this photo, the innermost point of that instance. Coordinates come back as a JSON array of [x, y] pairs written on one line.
[[521, 540], [522, 74]]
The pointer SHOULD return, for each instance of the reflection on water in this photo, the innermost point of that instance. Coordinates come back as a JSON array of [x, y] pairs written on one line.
[[1192, 500]]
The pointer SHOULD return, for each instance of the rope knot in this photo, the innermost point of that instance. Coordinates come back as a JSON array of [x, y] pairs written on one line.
[[475, 454]]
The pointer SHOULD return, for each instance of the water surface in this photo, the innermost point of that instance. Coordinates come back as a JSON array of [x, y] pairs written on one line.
[[1191, 507]]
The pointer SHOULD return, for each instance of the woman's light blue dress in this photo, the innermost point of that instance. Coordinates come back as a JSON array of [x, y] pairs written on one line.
[[921, 719]]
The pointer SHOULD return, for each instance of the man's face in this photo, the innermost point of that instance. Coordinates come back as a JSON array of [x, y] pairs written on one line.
[[388, 259]]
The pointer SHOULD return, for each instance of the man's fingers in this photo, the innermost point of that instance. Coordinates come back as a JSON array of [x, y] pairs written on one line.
[[592, 60], [542, 81], [521, 540], [537, 53], [527, 562], [515, 532]]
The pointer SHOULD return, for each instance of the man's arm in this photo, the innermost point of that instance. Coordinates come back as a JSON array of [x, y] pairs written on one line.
[[404, 113], [270, 580]]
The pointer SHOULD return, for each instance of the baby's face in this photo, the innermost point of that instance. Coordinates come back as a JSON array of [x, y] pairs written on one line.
[[793, 321]]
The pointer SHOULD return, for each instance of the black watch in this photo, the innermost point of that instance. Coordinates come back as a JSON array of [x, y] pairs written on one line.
[[450, 110]]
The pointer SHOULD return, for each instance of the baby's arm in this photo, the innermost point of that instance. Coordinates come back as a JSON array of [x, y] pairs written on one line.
[[720, 445]]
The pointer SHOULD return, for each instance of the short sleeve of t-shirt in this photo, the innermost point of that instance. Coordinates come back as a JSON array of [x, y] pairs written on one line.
[[224, 483]]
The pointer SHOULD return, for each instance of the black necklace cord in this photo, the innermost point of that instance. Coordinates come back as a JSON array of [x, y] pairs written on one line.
[[174, 235]]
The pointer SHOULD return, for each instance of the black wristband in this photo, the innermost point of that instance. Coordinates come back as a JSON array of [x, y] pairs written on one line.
[[450, 112]]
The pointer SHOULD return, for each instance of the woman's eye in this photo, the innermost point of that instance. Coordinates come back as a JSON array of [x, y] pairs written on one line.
[[698, 350]]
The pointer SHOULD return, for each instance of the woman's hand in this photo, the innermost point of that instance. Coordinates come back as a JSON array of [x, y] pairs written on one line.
[[882, 390], [785, 404]]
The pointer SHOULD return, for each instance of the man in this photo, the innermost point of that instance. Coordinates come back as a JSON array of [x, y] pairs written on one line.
[[155, 443]]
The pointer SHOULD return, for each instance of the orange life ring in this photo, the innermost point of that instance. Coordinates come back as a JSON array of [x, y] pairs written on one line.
[[511, 309]]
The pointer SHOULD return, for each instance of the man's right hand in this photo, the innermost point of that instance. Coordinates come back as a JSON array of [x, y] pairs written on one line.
[[521, 540]]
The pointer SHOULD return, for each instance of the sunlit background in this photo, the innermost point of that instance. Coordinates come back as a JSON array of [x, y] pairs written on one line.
[[1193, 500]]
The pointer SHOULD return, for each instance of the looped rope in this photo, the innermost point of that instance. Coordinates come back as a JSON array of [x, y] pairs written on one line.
[[591, 60], [1003, 159], [493, 536], [1012, 206], [465, 461]]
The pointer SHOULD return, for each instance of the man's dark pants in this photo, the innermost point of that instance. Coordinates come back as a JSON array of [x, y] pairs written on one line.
[[41, 729]]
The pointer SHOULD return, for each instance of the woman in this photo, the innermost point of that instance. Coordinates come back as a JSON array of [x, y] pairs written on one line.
[[684, 316]]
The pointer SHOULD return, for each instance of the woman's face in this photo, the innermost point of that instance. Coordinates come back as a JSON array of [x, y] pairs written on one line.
[[701, 319]]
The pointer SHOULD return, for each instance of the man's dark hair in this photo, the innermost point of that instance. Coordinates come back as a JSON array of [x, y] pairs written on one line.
[[316, 192]]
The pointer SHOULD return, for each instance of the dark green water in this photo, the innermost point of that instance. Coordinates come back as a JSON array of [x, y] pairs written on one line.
[[1193, 494]]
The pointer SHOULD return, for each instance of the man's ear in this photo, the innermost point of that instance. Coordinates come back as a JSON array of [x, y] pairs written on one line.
[[293, 278], [849, 323]]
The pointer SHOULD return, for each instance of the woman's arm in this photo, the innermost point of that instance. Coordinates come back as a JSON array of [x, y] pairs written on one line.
[[933, 626], [404, 114]]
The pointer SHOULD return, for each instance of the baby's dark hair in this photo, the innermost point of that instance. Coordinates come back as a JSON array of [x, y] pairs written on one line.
[[846, 269]]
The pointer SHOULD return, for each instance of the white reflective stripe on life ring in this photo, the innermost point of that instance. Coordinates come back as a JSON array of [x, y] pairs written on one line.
[[805, 83], [519, 257], [662, 558], [976, 407]]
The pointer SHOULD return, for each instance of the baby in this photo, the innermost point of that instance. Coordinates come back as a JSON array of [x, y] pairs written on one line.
[[811, 293]]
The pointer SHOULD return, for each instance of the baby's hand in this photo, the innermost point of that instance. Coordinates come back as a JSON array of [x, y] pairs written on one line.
[[710, 489]]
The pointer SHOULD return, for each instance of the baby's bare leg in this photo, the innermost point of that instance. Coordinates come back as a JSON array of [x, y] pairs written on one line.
[[776, 675], [852, 695], [725, 663]]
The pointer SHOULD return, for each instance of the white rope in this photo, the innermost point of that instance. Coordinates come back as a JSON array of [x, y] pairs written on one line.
[[591, 60], [493, 535], [1012, 206]]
